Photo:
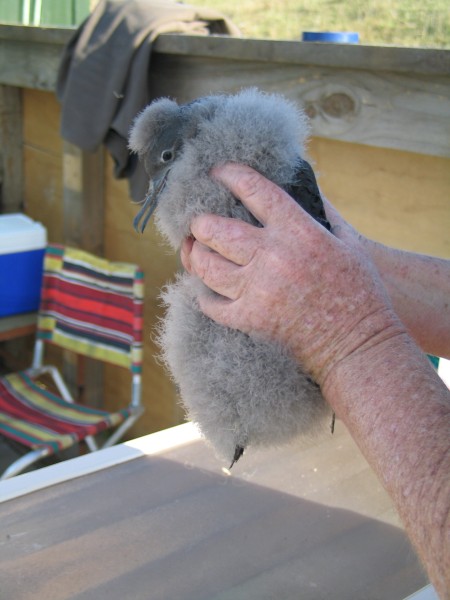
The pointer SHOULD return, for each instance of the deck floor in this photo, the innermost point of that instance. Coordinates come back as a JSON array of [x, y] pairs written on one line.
[[307, 522]]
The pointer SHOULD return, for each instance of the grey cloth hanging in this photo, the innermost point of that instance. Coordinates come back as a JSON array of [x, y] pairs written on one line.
[[103, 76]]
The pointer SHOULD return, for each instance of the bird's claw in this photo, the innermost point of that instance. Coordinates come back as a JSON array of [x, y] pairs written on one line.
[[238, 452]]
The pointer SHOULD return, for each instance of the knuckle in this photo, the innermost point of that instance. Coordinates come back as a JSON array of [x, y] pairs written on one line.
[[204, 227], [250, 184], [202, 263]]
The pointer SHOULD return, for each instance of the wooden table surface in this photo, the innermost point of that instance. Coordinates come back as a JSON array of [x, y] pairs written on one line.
[[297, 522], [14, 326]]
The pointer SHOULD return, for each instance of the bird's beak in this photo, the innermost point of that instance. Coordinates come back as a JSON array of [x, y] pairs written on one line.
[[150, 202]]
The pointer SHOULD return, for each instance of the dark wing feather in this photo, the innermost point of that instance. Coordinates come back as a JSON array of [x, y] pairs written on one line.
[[305, 192]]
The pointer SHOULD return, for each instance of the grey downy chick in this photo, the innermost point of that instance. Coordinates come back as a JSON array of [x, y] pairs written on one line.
[[240, 391]]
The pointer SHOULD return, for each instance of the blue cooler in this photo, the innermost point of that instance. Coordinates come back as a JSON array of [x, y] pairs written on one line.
[[22, 247]]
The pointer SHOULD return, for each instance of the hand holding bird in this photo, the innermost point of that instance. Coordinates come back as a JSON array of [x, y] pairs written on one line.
[[289, 281]]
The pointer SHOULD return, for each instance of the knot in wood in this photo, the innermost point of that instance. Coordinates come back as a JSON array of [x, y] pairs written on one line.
[[338, 105]]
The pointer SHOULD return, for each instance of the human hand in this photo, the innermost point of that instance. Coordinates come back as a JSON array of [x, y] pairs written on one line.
[[290, 280], [348, 234]]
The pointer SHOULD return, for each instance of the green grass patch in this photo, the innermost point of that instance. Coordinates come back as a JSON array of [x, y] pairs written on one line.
[[413, 23]]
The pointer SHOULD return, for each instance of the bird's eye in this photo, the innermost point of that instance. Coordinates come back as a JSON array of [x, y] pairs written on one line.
[[166, 155]]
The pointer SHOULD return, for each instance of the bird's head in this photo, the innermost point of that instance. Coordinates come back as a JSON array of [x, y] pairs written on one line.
[[156, 136]]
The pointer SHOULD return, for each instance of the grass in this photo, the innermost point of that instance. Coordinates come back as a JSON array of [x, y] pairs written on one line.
[[413, 23]]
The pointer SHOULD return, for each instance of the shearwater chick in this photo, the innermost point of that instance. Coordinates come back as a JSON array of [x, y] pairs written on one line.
[[240, 391]]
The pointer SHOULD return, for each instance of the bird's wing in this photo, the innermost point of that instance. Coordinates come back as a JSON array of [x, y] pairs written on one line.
[[305, 192]]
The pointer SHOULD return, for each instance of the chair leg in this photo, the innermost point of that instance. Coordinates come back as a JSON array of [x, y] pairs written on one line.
[[23, 462], [91, 443], [57, 380], [120, 431], [60, 383]]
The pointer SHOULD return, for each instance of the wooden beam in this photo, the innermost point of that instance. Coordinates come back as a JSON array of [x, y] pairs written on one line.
[[11, 158], [15, 326], [29, 56], [83, 198], [414, 61], [378, 96], [372, 107]]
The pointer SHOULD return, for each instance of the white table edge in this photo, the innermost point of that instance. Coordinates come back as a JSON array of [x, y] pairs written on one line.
[[152, 444]]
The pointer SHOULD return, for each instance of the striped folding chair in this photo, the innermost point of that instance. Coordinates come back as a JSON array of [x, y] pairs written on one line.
[[93, 307]]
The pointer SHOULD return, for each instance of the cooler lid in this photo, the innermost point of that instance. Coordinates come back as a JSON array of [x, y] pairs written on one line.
[[19, 233]]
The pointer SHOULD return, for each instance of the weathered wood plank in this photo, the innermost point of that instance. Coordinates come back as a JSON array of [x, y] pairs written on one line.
[[11, 164], [41, 121], [376, 108], [379, 96], [43, 190], [42, 35], [425, 61], [15, 326], [83, 198], [414, 61], [398, 198], [42, 161], [29, 56]]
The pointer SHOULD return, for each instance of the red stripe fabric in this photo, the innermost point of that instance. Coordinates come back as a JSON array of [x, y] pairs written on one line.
[[84, 290], [94, 302], [89, 313], [22, 406]]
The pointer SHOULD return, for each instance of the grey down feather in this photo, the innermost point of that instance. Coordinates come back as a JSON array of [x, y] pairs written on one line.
[[239, 390]]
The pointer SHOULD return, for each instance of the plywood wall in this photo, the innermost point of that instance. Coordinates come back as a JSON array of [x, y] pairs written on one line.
[[121, 242], [42, 155], [399, 198]]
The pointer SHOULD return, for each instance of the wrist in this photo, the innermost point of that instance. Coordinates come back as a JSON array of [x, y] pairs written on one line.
[[375, 335]]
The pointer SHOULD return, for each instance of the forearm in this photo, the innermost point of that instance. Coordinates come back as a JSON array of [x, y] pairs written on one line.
[[418, 285], [419, 288], [398, 412]]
